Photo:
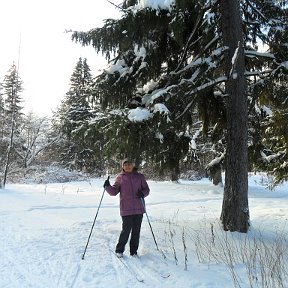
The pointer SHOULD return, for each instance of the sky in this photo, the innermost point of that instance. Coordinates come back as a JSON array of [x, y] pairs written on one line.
[[47, 54]]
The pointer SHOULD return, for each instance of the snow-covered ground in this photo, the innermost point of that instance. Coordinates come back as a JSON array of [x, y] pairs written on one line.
[[44, 230]]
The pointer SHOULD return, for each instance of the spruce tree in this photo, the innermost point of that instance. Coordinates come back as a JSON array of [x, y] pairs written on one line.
[[174, 57], [12, 85], [73, 117], [267, 86], [2, 114], [76, 106], [3, 144], [144, 53]]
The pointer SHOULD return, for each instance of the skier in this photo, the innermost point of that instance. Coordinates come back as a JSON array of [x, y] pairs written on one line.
[[132, 186]]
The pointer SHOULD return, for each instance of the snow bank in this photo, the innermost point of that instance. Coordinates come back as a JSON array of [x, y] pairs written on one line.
[[46, 174]]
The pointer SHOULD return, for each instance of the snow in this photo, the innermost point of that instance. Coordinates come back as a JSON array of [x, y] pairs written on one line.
[[140, 52], [120, 67], [215, 161], [267, 110], [148, 99], [210, 16], [44, 230], [149, 86], [235, 56], [161, 108], [160, 136], [252, 54], [233, 62], [194, 138], [155, 4], [272, 157], [285, 65], [139, 114]]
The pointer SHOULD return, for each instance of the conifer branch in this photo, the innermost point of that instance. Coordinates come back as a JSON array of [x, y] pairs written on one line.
[[256, 10], [117, 6], [188, 42]]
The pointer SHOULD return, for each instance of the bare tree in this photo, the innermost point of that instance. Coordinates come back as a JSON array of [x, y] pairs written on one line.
[[33, 138]]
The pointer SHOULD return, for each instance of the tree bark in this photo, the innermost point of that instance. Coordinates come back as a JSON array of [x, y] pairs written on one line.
[[235, 209], [216, 175]]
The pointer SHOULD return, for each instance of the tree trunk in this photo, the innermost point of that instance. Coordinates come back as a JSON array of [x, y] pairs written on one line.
[[175, 171], [235, 209], [216, 175], [6, 168]]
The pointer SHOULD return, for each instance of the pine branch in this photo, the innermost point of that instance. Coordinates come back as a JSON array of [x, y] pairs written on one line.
[[200, 88]]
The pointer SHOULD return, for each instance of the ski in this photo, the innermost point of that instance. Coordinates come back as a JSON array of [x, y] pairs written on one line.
[[152, 269], [131, 271]]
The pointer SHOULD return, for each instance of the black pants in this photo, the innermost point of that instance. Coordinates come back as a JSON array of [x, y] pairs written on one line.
[[131, 223]]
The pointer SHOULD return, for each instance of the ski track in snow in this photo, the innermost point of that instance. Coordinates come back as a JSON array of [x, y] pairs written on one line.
[[43, 236]]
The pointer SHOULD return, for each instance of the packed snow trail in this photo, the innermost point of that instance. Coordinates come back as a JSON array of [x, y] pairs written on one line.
[[44, 229]]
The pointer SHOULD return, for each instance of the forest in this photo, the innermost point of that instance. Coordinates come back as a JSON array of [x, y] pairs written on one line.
[[190, 90]]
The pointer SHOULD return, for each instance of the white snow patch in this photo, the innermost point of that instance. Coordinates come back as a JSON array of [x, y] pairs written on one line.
[[161, 108], [143, 65], [210, 16], [155, 4], [120, 67], [267, 110], [272, 157], [215, 161], [285, 64], [139, 114], [193, 141], [160, 137], [140, 52], [149, 86]]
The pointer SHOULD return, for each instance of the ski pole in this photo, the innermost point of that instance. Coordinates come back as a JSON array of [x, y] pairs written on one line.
[[161, 251], [94, 222], [143, 203]]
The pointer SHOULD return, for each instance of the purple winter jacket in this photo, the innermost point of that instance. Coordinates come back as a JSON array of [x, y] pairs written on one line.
[[128, 184]]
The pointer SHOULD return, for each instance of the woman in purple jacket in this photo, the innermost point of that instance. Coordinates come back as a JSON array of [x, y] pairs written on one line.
[[132, 186]]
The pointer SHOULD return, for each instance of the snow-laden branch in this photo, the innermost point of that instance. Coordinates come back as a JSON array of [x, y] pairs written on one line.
[[201, 61], [256, 10], [215, 161], [152, 4], [272, 157], [261, 74], [200, 88], [252, 54], [183, 57], [149, 99]]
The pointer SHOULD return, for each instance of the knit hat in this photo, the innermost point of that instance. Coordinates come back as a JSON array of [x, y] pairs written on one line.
[[126, 160]]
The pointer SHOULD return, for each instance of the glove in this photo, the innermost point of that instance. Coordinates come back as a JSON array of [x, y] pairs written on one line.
[[106, 183], [140, 194]]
